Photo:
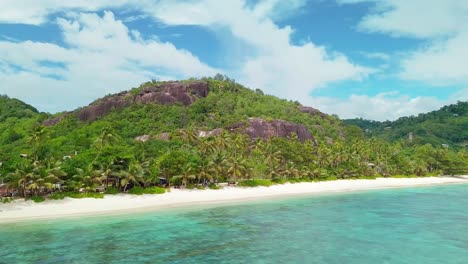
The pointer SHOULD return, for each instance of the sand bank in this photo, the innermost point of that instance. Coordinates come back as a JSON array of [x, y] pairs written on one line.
[[124, 203]]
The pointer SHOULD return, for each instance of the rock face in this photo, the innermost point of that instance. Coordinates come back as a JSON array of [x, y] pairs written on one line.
[[143, 138], [211, 133], [311, 111], [259, 128], [52, 121], [167, 93]]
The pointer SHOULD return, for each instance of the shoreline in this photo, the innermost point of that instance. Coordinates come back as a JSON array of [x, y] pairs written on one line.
[[25, 211]]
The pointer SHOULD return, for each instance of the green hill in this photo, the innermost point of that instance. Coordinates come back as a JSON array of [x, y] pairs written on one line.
[[194, 131], [448, 126], [225, 105], [14, 114], [14, 108]]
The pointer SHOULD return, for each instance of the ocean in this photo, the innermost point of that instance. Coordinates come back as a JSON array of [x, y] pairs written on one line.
[[410, 225]]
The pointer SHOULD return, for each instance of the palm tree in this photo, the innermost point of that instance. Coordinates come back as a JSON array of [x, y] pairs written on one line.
[[186, 174], [219, 164], [239, 145], [420, 167], [290, 171], [105, 138], [47, 174], [134, 174], [206, 146], [206, 170], [305, 172], [222, 141], [237, 168], [35, 140], [272, 156], [21, 177], [86, 179], [189, 135], [147, 178]]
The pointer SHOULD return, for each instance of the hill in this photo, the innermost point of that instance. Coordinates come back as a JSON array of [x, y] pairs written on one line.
[[14, 108], [448, 126], [159, 111], [13, 112], [194, 131]]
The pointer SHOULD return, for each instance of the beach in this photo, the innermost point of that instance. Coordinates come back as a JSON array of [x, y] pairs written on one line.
[[20, 210]]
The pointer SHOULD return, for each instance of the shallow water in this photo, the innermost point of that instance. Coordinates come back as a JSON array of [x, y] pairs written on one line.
[[413, 225]]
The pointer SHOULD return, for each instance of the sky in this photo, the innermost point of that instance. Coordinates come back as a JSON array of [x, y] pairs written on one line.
[[375, 59]]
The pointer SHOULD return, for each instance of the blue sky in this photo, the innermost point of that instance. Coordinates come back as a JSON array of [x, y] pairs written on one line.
[[376, 59]]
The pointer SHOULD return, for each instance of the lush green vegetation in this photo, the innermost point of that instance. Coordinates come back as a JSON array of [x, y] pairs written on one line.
[[448, 125], [75, 195], [151, 190], [76, 159], [256, 182], [14, 108]]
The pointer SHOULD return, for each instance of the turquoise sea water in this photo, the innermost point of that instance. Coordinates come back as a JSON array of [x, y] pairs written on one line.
[[414, 225]]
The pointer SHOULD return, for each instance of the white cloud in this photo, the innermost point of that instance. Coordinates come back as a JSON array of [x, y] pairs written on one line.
[[442, 62], [35, 12], [102, 56], [441, 23], [267, 58], [383, 106], [278, 66], [405, 18]]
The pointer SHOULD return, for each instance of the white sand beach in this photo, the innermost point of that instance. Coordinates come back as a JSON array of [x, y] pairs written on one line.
[[19, 210]]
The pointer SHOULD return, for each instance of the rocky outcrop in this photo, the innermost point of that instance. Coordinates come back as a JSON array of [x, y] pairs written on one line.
[[167, 93], [52, 121], [259, 128], [164, 136], [143, 138], [254, 128], [211, 133], [311, 111]]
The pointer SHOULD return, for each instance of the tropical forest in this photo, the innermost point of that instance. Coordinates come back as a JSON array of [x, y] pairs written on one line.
[[198, 133]]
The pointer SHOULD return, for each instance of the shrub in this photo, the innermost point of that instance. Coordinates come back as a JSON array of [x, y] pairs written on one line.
[[302, 179], [255, 183], [154, 190], [213, 186], [111, 190], [329, 178], [57, 196], [6, 200], [191, 186], [38, 199], [92, 195], [305, 179], [279, 181], [200, 187], [137, 190], [294, 180], [367, 177], [61, 196], [404, 176]]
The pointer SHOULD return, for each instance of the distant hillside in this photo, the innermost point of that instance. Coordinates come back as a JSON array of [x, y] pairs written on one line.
[[10, 107], [448, 125]]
